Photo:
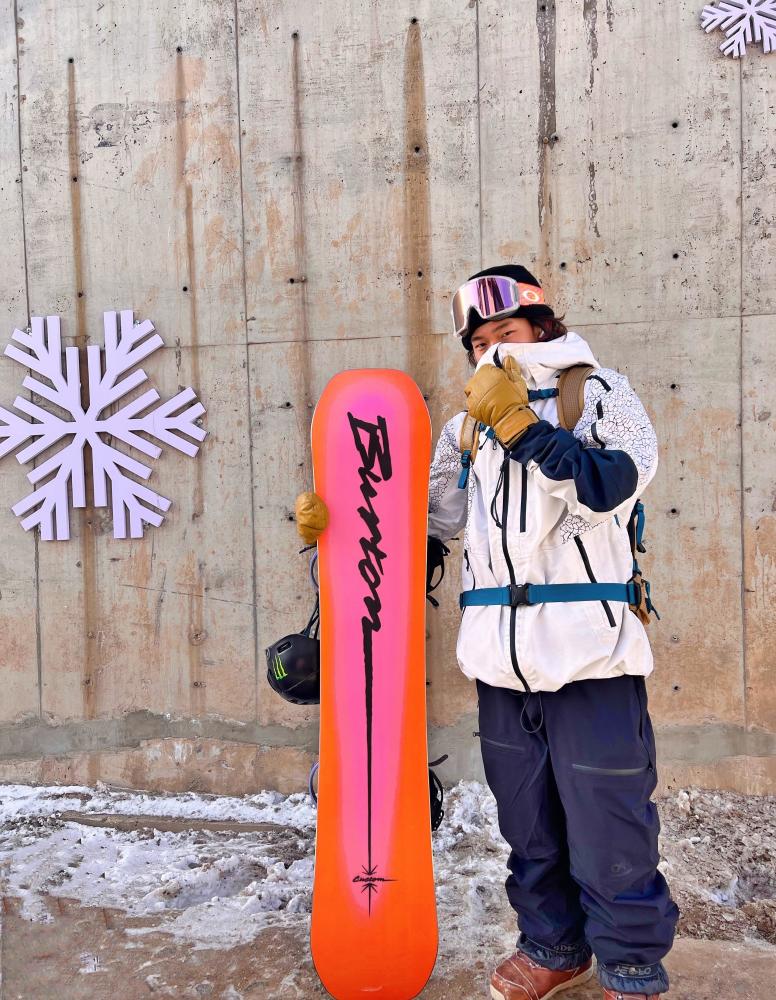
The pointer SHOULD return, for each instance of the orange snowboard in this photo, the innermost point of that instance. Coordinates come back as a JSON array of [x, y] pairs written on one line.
[[374, 928]]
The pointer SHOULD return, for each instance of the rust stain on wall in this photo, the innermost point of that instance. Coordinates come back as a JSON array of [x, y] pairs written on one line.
[[415, 245], [546, 26], [88, 520], [185, 82], [759, 580], [299, 288]]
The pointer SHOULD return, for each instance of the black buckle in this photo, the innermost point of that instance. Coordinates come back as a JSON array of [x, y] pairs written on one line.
[[518, 594]]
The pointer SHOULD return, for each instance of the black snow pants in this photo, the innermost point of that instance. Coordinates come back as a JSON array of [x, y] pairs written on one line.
[[572, 772]]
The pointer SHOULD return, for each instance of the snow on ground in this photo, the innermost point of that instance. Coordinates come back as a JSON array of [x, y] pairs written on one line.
[[221, 888]]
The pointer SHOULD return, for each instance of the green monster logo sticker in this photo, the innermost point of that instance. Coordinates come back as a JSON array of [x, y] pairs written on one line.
[[278, 668]]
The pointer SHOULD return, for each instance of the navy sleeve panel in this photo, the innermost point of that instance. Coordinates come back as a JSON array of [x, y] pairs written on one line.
[[603, 478]]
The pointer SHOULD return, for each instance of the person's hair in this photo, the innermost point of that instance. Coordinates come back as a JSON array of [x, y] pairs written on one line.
[[549, 327]]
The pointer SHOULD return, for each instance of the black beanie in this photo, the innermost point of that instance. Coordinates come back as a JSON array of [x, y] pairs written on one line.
[[521, 274]]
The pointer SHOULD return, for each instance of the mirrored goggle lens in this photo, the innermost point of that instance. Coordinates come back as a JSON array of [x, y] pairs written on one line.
[[491, 296]]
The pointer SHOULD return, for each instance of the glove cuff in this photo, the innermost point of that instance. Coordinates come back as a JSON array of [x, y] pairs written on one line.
[[519, 422]]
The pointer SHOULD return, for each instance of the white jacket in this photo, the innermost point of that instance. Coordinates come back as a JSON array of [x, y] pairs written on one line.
[[564, 501]]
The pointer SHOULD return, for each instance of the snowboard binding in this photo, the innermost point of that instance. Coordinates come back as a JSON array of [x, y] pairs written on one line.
[[435, 787]]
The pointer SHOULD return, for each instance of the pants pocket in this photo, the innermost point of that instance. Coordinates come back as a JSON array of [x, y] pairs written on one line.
[[619, 772], [501, 746]]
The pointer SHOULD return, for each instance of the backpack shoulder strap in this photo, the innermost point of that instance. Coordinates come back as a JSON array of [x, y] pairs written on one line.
[[571, 394], [468, 442], [469, 437]]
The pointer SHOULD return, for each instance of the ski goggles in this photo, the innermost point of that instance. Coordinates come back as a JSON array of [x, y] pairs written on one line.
[[492, 296]]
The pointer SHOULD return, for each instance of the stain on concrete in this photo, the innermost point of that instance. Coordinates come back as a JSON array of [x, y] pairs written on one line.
[[546, 26], [119, 125], [590, 16], [89, 523], [610, 15], [184, 82], [297, 282], [415, 245], [592, 202]]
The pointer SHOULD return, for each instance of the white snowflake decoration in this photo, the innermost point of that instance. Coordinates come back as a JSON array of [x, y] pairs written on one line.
[[49, 503], [742, 21]]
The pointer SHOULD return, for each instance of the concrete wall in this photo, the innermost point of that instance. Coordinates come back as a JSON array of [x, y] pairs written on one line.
[[233, 171]]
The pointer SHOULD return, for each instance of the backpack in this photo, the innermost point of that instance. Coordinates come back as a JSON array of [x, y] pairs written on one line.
[[571, 401]]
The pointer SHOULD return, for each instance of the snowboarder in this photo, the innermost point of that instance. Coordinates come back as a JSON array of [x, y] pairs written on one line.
[[565, 734]]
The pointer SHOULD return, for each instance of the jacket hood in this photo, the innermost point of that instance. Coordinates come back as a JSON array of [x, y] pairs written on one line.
[[539, 361]]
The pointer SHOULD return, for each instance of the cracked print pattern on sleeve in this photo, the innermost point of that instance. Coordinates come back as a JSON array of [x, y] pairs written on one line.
[[446, 464], [613, 418]]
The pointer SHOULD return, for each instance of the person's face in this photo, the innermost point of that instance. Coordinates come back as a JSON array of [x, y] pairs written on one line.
[[512, 330]]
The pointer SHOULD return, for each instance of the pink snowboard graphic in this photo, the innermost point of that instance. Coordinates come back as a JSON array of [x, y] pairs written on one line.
[[374, 928]]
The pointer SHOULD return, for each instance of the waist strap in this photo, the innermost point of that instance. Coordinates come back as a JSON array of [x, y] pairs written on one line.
[[541, 593]]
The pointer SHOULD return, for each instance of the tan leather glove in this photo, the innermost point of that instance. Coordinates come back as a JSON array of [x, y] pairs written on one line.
[[499, 398], [312, 516]]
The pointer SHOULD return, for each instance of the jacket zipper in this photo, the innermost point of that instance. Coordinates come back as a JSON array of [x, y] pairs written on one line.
[[468, 566], [591, 577], [523, 496], [513, 609]]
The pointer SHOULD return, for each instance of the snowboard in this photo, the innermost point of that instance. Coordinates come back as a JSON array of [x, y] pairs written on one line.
[[373, 927]]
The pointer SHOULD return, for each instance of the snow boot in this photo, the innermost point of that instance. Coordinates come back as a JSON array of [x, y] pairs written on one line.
[[616, 995], [520, 978]]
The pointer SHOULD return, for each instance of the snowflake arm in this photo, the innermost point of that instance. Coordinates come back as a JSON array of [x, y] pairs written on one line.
[[742, 21], [47, 427], [128, 496], [43, 355], [161, 423], [51, 498], [122, 352]]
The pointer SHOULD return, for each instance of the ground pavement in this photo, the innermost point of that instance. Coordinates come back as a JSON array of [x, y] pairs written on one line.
[[91, 953]]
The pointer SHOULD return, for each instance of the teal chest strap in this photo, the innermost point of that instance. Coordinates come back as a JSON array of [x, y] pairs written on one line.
[[543, 593]]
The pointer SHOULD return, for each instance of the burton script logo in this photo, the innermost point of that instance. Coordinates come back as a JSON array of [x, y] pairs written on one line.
[[371, 440]]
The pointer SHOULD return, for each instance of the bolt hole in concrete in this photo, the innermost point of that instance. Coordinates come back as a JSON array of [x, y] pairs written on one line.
[[152, 856]]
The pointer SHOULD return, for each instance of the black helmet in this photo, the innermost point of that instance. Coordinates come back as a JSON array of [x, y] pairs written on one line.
[[294, 664]]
